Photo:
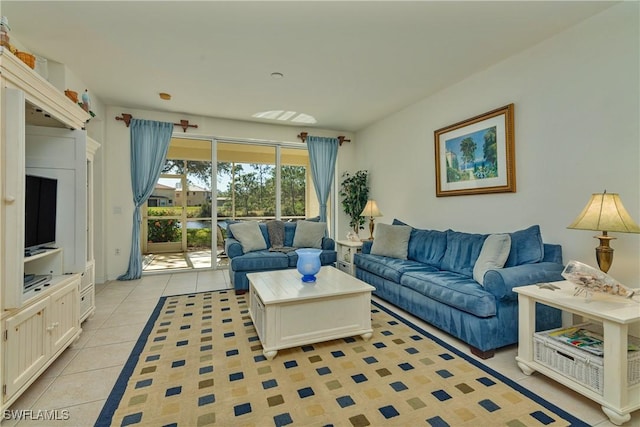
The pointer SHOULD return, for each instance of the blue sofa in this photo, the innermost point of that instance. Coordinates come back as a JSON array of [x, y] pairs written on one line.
[[241, 263], [436, 284]]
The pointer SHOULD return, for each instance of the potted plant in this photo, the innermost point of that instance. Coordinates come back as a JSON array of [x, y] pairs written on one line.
[[354, 190]]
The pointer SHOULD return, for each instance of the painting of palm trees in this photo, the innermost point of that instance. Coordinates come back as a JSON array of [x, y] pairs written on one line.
[[476, 156]]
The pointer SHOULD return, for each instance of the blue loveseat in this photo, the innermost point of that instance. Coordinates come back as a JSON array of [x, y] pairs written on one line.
[[242, 263], [435, 283]]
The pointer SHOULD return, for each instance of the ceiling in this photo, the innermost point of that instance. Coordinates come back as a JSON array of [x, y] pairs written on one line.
[[347, 63]]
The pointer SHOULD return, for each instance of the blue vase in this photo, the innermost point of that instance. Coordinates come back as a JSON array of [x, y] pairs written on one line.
[[308, 263]]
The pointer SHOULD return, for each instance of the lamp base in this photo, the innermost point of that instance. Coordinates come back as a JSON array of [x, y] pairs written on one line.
[[604, 252], [371, 228]]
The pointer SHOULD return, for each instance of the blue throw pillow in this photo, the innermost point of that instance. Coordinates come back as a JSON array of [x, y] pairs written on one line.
[[462, 252], [526, 247], [426, 246]]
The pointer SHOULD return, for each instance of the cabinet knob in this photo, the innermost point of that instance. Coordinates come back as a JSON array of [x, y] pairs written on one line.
[[9, 199]]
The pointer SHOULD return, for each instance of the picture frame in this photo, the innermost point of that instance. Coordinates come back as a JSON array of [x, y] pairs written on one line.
[[477, 155]]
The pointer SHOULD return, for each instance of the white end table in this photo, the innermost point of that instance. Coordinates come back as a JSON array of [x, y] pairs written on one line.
[[346, 250], [614, 313]]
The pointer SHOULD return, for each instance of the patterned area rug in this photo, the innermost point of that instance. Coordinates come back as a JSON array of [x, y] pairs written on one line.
[[199, 362]]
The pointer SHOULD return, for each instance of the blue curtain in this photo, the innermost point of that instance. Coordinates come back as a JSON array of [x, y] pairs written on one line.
[[149, 145], [322, 155]]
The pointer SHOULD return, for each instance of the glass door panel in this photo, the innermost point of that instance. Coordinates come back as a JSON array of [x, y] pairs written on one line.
[[177, 226]]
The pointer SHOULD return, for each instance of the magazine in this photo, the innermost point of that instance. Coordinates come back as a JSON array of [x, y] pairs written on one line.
[[580, 338]]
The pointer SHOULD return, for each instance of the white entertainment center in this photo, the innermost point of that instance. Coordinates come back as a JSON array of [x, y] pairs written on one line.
[[42, 134]]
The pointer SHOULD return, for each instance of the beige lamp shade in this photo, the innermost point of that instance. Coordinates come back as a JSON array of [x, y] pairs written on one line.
[[605, 212], [371, 210]]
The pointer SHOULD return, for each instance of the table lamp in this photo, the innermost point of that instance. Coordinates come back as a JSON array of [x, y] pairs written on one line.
[[605, 212], [371, 210]]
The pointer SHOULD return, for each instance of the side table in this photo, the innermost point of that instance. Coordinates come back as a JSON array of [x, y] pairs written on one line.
[[346, 250], [615, 314]]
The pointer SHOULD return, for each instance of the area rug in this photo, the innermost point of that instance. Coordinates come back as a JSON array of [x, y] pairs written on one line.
[[199, 362]]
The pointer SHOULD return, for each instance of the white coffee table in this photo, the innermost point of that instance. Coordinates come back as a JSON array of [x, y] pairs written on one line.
[[287, 312]]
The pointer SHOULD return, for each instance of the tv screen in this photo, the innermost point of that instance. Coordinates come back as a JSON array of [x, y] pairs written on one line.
[[40, 211]]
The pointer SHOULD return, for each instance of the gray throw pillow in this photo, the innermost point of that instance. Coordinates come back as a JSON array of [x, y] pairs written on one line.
[[249, 235], [493, 255], [391, 241], [309, 234]]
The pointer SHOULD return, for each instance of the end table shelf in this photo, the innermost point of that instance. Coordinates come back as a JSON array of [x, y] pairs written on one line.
[[615, 314]]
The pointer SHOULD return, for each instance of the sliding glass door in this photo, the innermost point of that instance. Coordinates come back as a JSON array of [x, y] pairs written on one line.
[[177, 232], [185, 224]]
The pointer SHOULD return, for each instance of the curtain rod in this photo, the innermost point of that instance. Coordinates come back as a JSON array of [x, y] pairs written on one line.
[[341, 139], [126, 118]]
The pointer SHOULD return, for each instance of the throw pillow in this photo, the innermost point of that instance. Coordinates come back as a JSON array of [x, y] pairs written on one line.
[[309, 234], [462, 252], [526, 247], [249, 235], [391, 241], [494, 253]]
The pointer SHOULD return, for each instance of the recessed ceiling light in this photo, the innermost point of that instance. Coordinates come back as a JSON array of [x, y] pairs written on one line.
[[165, 96], [277, 75]]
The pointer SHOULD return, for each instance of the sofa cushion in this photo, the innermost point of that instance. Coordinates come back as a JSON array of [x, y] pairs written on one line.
[[462, 252], [452, 289], [526, 247], [427, 246], [309, 234], [494, 253], [249, 235], [387, 267], [260, 261], [391, 241]]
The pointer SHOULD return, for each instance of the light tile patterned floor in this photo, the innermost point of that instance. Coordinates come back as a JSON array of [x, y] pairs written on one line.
[[81, 379]]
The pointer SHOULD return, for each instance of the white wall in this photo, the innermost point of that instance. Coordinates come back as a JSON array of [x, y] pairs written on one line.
[[118, 204], [577, 112]]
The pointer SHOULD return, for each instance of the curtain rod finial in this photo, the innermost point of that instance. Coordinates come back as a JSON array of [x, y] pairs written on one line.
[[342, 139]]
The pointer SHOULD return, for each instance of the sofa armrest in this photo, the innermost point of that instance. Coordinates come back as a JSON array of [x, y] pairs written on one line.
[[366, 246], [232, 248], [502, 281], [328, 244]]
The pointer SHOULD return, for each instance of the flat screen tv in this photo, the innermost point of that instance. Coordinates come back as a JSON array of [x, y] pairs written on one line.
[[40, 208]]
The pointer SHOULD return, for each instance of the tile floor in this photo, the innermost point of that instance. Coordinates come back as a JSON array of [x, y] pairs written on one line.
[[82, 378]]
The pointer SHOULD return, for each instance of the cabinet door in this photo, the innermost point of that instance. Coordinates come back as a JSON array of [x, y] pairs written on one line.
[[12, 203], [64, 315], [26, 346]]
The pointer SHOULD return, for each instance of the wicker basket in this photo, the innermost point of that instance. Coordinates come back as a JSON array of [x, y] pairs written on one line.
[[579, 365], [27, 58]]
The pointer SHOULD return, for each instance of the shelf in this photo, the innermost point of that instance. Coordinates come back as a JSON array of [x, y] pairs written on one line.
[[46, 253]]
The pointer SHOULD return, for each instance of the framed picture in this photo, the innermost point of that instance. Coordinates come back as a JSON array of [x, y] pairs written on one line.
[[476, 156]]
